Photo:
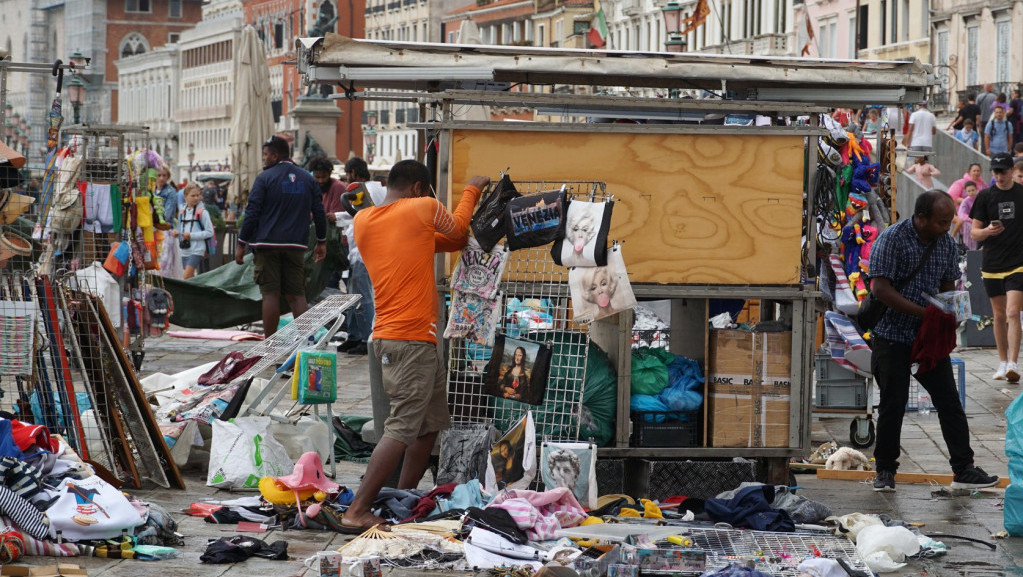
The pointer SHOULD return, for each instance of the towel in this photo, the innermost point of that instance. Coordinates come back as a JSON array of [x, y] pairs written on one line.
[[935, 341]]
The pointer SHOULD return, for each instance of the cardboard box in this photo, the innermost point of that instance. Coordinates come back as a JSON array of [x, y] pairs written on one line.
[[749, 387], [58, 570]]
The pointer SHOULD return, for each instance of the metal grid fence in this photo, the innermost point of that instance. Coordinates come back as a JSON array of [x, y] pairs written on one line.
[[773, 552], [536, 306]]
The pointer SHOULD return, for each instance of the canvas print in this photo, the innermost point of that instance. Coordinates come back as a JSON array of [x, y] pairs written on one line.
[[571, 465], [583, 237], [518, 370], [473, 317], [602, 291], [478, 272], [512, 463], [534, 220]]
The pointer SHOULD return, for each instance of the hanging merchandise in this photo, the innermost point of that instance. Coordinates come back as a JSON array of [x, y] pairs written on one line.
[[17, 334], [582, 238], [534, 220], [478, 272], [117, 259], [474, 318], [847, 346], [488, 226], [13, 244], [463, 452], [599, 292], [518, 370], [67, 210], [159, 308], [314, 379], [91, 508], [573, 466], [512, 463], [102, 208]]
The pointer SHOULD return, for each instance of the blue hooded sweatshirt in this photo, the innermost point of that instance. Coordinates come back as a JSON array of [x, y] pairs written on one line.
[[280, 203]]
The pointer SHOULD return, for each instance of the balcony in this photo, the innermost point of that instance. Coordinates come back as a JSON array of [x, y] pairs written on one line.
[[1000, 87], [771, 45], [736, 47]]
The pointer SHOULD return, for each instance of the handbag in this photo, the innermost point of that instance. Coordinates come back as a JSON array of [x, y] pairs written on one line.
[[488, 223], [872, 309]]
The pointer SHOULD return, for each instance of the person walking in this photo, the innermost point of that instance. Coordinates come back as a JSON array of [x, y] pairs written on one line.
[[996, 226], [909, 260], [968, 134], [398, 240], [331, 190], [984, 102], [922, 127], [1016, 116], [276, 229], [193, 227], [168, 194], [997, 134]]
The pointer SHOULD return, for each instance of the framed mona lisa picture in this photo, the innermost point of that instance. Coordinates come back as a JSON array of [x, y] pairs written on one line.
[[518, 370]]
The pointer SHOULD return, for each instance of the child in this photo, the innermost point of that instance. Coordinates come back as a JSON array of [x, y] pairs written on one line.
[[922, 171], [1017, 172], [963, 222], [193, 229], [873, 125], [997, 134], [967, 135]]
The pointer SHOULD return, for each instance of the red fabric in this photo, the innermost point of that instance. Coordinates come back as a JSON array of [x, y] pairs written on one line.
[[935, 341], [332, 198], [26, 435], [429, 501]]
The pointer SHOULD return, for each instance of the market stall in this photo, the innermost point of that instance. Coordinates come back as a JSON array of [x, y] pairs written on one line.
[[702, 211]]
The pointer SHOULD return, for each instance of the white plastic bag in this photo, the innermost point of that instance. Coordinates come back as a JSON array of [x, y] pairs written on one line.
[[308, 435], [850, 525], [884, 549], [243, 451]]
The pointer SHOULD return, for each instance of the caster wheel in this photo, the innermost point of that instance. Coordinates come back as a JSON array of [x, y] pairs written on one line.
[[857, 438]]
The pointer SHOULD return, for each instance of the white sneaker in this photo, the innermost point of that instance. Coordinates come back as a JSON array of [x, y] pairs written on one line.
[[1012, 373], [1000, 373]]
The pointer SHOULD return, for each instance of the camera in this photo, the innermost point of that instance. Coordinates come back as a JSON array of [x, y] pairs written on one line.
[[184, 243]]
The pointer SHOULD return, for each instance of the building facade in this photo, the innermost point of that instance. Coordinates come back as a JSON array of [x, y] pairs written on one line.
[[975, 43], [206, 87], [834, 25], [894, 29], [147, 85]]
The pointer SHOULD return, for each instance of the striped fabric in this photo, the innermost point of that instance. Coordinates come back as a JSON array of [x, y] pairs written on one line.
[[845, 300], [20, 477], [847, 346], [541, 514], [26, 517]]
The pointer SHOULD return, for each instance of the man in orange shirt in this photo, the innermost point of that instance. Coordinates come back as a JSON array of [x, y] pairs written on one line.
[[397, 241]]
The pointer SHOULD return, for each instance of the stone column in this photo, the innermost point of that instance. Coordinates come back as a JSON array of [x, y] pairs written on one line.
[[317, 116]]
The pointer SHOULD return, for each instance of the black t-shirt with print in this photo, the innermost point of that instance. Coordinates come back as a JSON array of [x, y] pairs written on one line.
[[1003, 252]]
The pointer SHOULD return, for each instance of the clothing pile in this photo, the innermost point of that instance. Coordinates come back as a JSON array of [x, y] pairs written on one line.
[[52, 503]]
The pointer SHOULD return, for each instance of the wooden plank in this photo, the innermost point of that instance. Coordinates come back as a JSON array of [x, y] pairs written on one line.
[[692, 209], [923, 478]]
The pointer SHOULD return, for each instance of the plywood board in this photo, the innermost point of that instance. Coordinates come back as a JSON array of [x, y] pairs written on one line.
[[924, 478], [693, 209]]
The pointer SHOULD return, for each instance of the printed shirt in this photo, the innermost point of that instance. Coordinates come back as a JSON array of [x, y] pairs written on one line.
[[896, 252], [397, 242]]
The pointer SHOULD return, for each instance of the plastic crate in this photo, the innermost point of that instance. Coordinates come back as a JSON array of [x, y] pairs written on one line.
[[844, 394], [958, 372], [679, 429]]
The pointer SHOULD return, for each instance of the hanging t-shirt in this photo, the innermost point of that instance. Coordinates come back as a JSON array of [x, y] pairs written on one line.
[[102, 208], [1002, 252], [99, 282]]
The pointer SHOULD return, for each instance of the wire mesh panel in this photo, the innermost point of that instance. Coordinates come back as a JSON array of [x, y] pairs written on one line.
[[775, 553], [536, 306]]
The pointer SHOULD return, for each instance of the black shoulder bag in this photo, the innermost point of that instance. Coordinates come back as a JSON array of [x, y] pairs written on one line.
[[872, 309]]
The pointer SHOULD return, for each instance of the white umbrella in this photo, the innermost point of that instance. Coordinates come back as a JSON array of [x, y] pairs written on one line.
[[469, 33], [251, 117]]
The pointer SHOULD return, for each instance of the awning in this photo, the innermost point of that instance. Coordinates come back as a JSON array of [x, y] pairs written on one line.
[[9, 156]]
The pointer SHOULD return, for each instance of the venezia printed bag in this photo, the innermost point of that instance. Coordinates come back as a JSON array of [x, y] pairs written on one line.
[[478, 272], [534, 220]]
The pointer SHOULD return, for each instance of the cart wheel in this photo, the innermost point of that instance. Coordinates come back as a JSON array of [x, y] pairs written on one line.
[[857, 438]]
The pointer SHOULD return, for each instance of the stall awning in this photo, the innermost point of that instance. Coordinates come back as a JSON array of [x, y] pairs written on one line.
[[9, 156], [426, 66]]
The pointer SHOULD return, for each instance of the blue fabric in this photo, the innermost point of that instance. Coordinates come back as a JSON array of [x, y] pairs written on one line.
[[8, 448], [360, 322], [469, 494], [280, 202], [685, 385], [750, 508], [896, 252]]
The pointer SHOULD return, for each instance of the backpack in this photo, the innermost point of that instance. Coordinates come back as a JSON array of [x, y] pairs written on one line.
[[211, 242]]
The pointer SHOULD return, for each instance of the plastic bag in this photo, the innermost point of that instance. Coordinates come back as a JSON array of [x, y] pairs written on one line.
[[1013, 512], [233, 365], [884, 549], [649, 372], [488, 223], [685, 385], [243, 451], [600, 398]]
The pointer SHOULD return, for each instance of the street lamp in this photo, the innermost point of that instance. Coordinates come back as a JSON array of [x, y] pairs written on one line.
[[370, 137], [191, 160], [76, 94], [672, 13]]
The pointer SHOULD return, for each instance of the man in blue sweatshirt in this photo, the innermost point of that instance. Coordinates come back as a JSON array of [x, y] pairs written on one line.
[[276, 228]]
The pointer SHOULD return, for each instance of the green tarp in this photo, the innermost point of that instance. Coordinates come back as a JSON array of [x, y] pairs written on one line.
[[227, 296]]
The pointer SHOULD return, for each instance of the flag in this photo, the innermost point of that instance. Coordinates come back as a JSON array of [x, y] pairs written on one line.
[[598, 30], [809, 32], [699, 16]]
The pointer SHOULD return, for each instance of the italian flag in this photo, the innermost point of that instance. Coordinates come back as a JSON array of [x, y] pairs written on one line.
[[598, 30]]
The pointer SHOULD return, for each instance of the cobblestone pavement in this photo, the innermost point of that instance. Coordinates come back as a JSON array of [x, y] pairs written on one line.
[[977, 516]]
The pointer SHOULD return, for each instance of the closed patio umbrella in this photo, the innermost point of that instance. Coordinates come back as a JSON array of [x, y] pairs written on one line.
[[251, 117]]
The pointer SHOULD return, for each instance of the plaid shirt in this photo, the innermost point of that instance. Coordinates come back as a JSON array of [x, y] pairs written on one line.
[[896, 252]]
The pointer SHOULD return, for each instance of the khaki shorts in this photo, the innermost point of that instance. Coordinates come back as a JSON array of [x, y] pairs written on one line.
[[279, 271], [415, 378]]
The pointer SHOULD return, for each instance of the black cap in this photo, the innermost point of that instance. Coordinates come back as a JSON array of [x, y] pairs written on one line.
[[1001, 161]]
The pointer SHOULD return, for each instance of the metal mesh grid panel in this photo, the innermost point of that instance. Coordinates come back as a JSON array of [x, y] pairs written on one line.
[[610, 476], [775, 553], [531, 281], [700, 479]]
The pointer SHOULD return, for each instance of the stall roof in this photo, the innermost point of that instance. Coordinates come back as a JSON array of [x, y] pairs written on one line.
[[337, 59]]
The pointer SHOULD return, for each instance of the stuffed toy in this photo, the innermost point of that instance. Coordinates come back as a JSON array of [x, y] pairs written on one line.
[[865, 177], [868, 233]]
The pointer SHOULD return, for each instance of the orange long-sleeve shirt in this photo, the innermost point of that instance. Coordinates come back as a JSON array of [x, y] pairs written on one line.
[[397, 242]]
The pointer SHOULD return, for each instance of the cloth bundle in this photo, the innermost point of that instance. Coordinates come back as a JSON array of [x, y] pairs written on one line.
[[541, 514]]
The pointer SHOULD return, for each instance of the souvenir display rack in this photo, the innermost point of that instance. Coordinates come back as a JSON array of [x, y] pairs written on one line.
[[530, 274]]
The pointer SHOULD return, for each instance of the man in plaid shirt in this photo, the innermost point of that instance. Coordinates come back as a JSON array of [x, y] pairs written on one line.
[[895, 255]]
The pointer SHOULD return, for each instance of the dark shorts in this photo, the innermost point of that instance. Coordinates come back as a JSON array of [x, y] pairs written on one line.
[[997, 287], [279, 271]]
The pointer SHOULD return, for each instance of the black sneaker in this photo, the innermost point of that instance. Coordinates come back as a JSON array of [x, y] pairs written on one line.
[[973, 478], [360, 349], [885, 482], [348, 345]]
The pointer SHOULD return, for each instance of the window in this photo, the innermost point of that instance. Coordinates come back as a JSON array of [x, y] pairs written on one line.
[[884, 22], [517, 31], [529, 32], [863, 26], [972, 36], [905, 20], [278, 35], [779, 17], [133, 44], [895, 21], [174, 8], [1003, 34], [541, 38], [138, 6], [726, 20], [851, 49], [827, 37], [559, 32], [941, 54], [173, 37]]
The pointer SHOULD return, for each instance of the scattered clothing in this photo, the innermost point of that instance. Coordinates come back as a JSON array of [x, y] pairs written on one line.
[[496, 520], [240, 548], [541, 514], [750, 508]]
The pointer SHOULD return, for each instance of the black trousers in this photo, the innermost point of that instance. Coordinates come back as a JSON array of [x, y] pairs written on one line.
[[890, 362]]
